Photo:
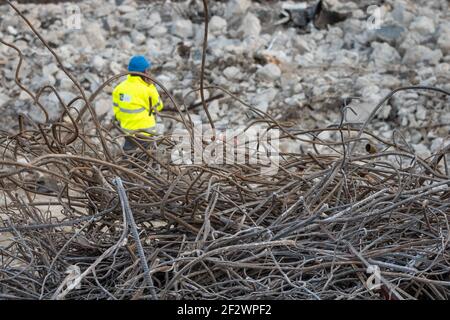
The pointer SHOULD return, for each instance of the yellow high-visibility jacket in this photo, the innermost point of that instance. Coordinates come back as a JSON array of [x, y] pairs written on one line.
[[134, 103]]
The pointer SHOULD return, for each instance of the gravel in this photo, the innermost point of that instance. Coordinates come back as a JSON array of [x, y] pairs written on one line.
[[288, 72]]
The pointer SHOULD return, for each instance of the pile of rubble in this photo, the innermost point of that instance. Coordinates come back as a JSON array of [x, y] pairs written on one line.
[[295, 74]]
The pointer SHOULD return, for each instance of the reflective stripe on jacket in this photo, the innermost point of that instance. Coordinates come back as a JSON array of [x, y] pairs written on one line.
[[131, 104]]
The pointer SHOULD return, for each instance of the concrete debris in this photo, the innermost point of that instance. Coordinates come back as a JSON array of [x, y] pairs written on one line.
[[232, 73], [384, 55], [183, 29], [444, 37], [217, 25], [270, 72], [300, 15], [274, 66], [423, 25], [263, 99], [251, 27], [390, 34], [236, 8], [422, 54]]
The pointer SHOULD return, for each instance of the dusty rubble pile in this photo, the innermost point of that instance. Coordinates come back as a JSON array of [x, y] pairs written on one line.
[[296, 74], [354, 214]]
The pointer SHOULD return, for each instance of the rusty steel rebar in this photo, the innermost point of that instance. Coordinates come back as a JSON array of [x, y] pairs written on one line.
[[217, 231]]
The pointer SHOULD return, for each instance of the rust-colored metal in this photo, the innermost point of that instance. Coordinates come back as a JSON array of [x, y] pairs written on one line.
[[217, 232]]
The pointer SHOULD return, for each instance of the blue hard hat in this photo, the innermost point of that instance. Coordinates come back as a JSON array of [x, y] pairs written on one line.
[[138, 64]]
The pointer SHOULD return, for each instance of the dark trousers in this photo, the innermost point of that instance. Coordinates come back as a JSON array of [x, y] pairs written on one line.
[[131, 144]]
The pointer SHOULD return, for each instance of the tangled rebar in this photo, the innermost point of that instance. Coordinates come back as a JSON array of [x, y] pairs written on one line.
[[357, 217]]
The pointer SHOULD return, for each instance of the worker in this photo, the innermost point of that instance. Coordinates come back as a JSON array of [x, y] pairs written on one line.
[[135, 101]]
